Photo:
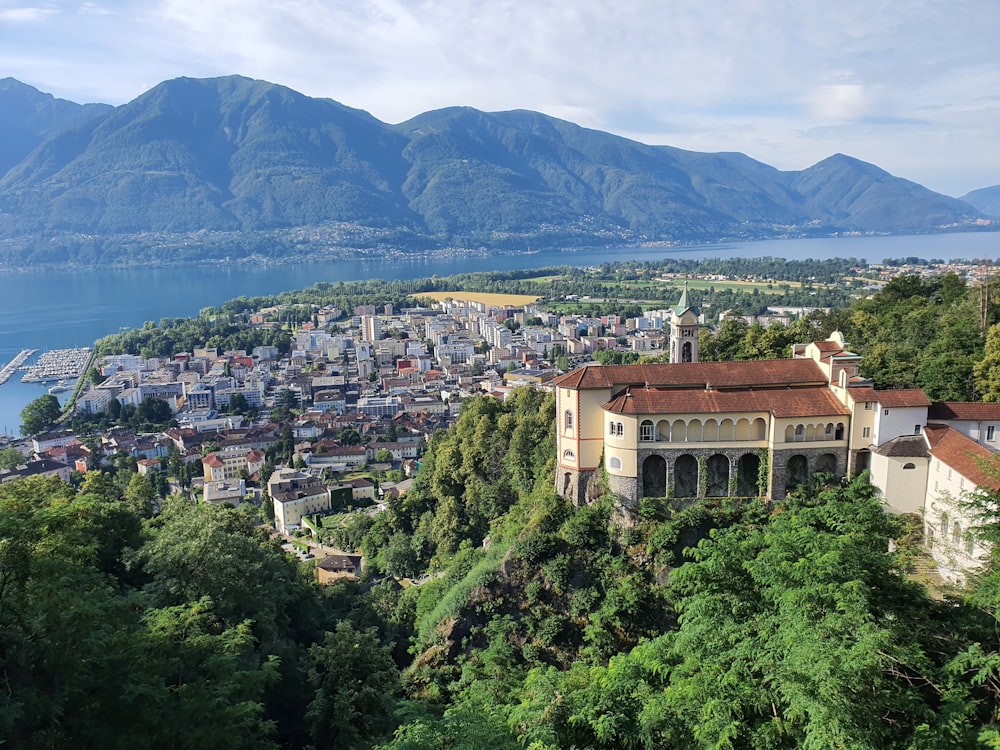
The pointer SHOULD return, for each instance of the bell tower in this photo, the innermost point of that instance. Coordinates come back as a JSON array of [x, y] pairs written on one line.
[[684, 330]]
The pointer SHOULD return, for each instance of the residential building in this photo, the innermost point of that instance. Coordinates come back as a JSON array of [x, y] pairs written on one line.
[[219, 493], [294, 495], [338, 567], [45, 467]]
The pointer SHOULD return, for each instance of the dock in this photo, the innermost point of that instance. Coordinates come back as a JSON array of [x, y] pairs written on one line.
[[11, 367], [58, 364]]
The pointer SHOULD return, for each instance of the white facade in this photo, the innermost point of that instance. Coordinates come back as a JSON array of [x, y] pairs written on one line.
[[948, 525], [294, 495], [893, 422]]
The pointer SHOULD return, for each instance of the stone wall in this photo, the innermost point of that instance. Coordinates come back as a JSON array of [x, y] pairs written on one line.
[[780, 475], [704, 478], [573, 484]]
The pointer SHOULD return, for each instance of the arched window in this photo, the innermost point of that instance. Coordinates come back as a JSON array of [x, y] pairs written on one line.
[[944, 525], [800, 432], [569, 455], [956, 534], [828, 431], [614, 463], [646, 430], [970, 544], [619, 429], [909, 466], [611, 429], [568, 420]]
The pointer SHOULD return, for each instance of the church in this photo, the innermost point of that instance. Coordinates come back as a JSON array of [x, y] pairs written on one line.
[[692, 429]]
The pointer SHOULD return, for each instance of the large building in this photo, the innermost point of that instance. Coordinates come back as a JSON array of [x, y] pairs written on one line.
[[706, 429], [295, 495], [693, 429]]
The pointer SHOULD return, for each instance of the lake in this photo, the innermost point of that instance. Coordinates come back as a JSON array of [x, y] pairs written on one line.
[[57, 309]]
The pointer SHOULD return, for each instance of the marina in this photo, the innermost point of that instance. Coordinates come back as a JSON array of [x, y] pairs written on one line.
[[58, 364], [11, 367]]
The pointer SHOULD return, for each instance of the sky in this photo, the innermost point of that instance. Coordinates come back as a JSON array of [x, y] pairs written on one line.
[[910, 85]]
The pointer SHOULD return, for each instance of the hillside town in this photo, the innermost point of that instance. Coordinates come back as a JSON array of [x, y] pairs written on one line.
[[341, 420], [358, 392]]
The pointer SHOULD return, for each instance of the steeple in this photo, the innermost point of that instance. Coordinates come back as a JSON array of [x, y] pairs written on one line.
[[684, 322], [683, 305]]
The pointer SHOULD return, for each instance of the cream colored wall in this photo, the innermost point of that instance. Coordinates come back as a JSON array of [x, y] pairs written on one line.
[[780, 426], [688, 418], [624, 447], [903, 490], [813, 353], [586, 439], [290, 513], [861, 419]]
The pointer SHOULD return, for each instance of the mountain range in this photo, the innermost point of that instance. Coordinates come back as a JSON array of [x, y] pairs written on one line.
[[231, 167]]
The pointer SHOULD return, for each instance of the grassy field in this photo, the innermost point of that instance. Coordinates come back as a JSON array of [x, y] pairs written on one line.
[[486, 298]]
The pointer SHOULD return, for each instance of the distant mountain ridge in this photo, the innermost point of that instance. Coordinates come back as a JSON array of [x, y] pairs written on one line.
[[28, 117], [226, 167], [985, 199]]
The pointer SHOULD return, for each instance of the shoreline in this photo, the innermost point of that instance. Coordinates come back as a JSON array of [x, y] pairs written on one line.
[[387, 252]]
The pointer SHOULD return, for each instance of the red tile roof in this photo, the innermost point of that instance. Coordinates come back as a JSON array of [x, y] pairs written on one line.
[[803, 401], [904, 397], [964, 455], [860, 393], [758, 374], [971, 410]]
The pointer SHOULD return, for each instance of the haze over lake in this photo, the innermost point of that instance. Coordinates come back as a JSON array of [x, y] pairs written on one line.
[[56, 309]]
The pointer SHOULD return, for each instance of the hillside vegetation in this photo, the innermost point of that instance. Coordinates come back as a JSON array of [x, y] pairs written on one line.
[[231, 167]]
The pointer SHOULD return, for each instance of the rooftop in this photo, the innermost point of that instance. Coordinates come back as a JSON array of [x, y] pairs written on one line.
[[802, 401], [964, 455], [717, 375]]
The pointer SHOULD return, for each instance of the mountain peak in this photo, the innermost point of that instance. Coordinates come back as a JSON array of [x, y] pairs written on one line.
[[196, 156]]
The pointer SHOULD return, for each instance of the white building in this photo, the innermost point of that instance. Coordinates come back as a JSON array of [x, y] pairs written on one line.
[[295, 495]]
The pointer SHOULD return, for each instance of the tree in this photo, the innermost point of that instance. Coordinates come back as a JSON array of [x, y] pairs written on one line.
[[398, 558], [238, 404], [349, 436], [40, 414], [213, 685], [154, 411], [11, 457], [114, 409], [987, 370], [354, 682], [202, 550], [801, 631], [383, 455], [141, 495]]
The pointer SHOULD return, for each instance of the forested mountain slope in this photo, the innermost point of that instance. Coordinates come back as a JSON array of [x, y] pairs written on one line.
[[233, 166]]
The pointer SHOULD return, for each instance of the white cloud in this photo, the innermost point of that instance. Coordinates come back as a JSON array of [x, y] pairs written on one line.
[[903, 84], [840, 102], [93, 9], [24, 14]]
